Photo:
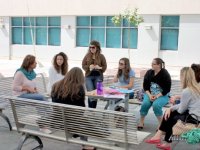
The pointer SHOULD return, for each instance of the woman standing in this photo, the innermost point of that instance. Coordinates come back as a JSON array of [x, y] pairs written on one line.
[[24, 83], [125, 75], [58, 70], [157, 85], [189, 104], [94, 64]]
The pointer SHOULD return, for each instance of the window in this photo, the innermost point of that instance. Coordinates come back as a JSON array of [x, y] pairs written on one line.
[[36, 30], [102, 29], [169, 32]]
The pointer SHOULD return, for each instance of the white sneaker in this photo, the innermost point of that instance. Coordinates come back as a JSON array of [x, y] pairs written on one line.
[[45, 130]]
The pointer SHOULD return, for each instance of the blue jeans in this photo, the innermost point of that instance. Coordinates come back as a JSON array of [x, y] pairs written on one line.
[[35, 96], [157, 105], [91, 83]]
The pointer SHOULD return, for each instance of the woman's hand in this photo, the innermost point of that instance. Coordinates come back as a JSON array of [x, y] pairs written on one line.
[[32, 90], [91, 67], [152, 97], [174, 98], [29, 89], [167, 113], [97, 67]]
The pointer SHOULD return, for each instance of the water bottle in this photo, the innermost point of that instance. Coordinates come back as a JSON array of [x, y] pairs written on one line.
[[99, 88]]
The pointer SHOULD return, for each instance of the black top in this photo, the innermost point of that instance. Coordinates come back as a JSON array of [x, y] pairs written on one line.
[[163, 79], [77, 101]]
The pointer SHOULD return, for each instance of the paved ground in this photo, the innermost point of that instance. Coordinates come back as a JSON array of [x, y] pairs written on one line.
[[9, 140]]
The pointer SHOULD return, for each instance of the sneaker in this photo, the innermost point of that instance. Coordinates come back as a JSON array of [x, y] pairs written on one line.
[[45, 130]]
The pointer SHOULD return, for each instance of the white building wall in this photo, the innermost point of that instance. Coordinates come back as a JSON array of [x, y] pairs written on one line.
[[95, 7], [148, 43], [189, 43], [5, 38]]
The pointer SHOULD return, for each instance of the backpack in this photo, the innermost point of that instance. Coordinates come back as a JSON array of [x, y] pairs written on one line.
[[140, 95]]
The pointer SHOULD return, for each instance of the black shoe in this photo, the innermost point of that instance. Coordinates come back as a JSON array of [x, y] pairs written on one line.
[[140, 127]]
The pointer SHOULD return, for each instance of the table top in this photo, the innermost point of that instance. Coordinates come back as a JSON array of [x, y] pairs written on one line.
[[107, 93]]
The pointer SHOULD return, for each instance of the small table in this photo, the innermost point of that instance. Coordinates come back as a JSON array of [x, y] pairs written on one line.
[[113, 100]]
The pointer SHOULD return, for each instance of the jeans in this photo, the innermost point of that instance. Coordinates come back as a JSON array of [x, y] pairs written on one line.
[[157, 105], [91, 83], [35, 96]]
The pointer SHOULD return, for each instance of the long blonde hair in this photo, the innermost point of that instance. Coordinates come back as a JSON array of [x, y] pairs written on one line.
[[188, 80]]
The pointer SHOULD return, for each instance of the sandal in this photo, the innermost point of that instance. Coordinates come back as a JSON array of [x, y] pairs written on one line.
[[88, 148], [139, 127]]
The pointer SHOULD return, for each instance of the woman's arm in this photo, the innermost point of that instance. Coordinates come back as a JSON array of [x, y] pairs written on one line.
[[146, 81], [184, 102], [103, 65], [130, 85], [82, 97], [85, 65], [166, 82], [115, 79], [52, 77]]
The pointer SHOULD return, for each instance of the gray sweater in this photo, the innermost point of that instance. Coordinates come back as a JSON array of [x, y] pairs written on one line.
[[190, 102]]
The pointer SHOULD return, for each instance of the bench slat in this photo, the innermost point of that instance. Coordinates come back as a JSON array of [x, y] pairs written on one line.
[[103, 125]]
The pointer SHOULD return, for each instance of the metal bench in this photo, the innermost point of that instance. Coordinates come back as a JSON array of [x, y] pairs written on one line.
[[6, 89], [104, 129], [108, 80]]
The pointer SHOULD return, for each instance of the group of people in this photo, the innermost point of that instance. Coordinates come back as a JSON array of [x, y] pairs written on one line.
[[65, 85], [68, 87]]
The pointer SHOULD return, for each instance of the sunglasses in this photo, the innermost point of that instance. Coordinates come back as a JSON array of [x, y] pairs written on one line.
[[92, 47], [121, 64]]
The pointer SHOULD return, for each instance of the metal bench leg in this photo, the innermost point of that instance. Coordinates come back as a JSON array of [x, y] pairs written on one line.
[[6, 119], [25, 137]]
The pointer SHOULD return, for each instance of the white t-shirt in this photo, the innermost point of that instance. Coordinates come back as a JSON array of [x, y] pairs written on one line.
[[54, 76]]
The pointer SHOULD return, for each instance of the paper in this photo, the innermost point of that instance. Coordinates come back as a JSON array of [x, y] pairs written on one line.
[[117, 96]]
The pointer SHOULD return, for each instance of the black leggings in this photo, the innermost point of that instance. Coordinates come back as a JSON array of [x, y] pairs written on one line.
[[167, 125]]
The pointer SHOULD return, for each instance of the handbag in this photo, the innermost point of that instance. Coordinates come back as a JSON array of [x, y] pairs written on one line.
[[182, 126]]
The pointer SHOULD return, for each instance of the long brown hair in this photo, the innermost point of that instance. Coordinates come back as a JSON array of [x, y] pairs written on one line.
[[188, 80], [64, 67], [196, 69], [28, 61], [89, 55], [126, 69], [70, 85]]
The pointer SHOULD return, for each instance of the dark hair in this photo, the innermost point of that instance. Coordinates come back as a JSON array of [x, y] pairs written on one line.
[[160, 62], [98, 47], [89, 55], [96, 44], [28, 61], [70, 85], [64, 67], [196, 69], [127, 68]]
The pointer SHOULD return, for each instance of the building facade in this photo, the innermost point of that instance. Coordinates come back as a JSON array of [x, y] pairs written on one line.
[[170, 30]]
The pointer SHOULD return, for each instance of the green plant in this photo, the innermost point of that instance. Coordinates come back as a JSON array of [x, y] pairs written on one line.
[[132, 17]]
